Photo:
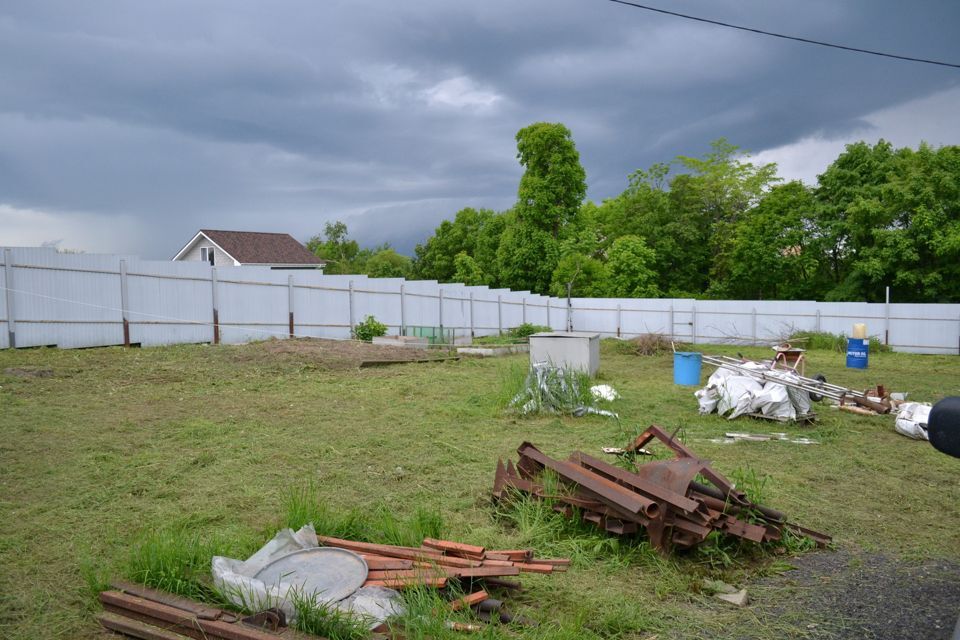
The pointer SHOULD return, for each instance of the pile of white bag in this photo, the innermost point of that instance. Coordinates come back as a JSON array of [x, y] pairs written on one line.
[[732, 394], [912, 420]]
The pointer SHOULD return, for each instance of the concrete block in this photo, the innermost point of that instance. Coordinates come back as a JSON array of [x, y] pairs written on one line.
[[573, 350]]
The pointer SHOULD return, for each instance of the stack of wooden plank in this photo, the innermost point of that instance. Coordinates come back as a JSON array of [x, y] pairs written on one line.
[[661, 497], [437, 561]]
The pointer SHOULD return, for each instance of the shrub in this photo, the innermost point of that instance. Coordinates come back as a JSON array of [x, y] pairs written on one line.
[[647, 344], [369, 329], [526, 330]]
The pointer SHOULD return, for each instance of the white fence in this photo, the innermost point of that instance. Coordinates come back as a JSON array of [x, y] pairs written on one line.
[[87, 300]]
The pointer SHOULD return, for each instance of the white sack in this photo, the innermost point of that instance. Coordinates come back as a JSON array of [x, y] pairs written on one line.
[[736, 395], [707, 398], [773, 400], [912, 420]]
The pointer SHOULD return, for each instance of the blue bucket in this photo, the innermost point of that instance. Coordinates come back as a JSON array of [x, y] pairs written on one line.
[[858, 351], [686, 368]]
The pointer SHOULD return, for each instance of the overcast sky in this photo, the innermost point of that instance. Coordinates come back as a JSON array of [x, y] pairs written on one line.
[[126, 126]]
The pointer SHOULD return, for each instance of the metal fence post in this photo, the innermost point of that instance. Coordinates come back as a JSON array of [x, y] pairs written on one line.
[[8, 283], [500, 314], [440, 310], [290, 302], [886, 327], [753, 316], [818, 320], [619, 318], [124, 303], [350, 305], [549, 324], [672, 325], [472, 331], [403, 310], [524, 313], [216, 305], [693, 323]]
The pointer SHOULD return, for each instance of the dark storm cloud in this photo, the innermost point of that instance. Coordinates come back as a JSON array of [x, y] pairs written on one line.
[[391, 116]]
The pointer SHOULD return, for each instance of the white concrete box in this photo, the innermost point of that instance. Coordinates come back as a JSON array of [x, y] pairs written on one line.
[[567, 349]]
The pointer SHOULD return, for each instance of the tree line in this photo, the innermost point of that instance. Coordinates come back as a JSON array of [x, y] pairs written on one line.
[[716, 226]]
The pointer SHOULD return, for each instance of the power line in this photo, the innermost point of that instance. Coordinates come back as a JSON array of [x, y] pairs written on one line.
[[783, 36]]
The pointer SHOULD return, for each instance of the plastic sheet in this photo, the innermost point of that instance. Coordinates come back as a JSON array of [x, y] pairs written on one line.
[[731, 394], [235, 580]]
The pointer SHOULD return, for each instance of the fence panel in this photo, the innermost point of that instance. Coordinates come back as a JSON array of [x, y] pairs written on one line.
[[79, 300]]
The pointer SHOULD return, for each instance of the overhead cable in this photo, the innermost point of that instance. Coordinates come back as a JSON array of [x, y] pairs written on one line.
[[636, 5]]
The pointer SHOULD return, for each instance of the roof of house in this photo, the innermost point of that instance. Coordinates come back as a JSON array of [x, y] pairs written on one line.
[[254, 247]]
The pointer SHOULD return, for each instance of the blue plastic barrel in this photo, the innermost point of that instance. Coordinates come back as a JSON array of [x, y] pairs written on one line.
[[686, 368], [858, 351]]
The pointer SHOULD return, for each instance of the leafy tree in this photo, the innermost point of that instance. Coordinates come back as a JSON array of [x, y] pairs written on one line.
[[771, 256], [554, 182], [587, 275], [335, 247], [526, 258], [466, 270], [435, 257], [551, 190], [629, 266], [387, 263]]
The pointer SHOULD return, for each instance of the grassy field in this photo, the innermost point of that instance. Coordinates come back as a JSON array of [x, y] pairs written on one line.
[[104, 448]]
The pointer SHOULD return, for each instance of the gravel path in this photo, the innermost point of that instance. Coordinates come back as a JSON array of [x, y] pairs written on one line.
[[862, 595]]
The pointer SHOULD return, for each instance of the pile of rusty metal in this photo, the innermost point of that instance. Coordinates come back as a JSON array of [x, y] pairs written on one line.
[[139, 611], [437, 561], [661, 497]]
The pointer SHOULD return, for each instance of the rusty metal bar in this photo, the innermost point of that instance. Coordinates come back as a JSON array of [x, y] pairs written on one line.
[[611, 492], [216, 304], [634, 481], [290, 303], [11, 313]]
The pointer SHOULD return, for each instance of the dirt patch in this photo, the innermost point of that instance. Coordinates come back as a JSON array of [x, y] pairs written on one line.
[[866, 595], [333, 354], [24, 372]]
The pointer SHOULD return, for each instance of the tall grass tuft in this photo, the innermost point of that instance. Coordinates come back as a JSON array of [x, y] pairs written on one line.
[[326, 620], [304, 504], [823, 341], [178, 562]]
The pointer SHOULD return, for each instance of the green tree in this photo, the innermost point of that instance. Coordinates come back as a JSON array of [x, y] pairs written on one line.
[[587, 276], [771, 256], [335, 247], [629, 267], [467, 270], [435, 258], [551, 190], [387, 263]]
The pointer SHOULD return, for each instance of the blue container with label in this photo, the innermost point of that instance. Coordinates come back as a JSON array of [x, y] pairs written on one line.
[[686, 368], [858, 352]]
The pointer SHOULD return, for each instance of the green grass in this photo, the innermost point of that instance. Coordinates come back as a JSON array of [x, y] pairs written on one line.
[[150, 460]]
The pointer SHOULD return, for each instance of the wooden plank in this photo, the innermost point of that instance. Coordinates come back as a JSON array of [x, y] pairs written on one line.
[[469, 600], [482, 572], [406, 573], [401, 583], [453, 547], [534, 568], [423, 555], [523, 555], [382, 563], [136, 629]]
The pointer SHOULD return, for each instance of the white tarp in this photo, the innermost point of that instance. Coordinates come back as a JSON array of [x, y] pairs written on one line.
[[912, 420]]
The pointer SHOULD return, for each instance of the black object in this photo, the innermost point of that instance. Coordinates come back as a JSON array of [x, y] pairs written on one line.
[[943, 426], [816, 397]]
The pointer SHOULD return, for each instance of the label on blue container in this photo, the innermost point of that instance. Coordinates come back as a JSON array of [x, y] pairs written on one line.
[[858, 352]]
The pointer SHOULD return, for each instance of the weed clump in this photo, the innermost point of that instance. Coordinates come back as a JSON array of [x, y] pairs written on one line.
[[646, 344], [526, 330], [836, 342], [369, 329]]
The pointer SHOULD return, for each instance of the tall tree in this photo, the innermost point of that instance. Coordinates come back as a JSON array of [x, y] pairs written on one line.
[[336, 247], [551, 190], [435, 257], [629, 267]]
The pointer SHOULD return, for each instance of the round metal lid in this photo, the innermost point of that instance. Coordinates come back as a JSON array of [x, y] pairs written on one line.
[[330, 574]]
